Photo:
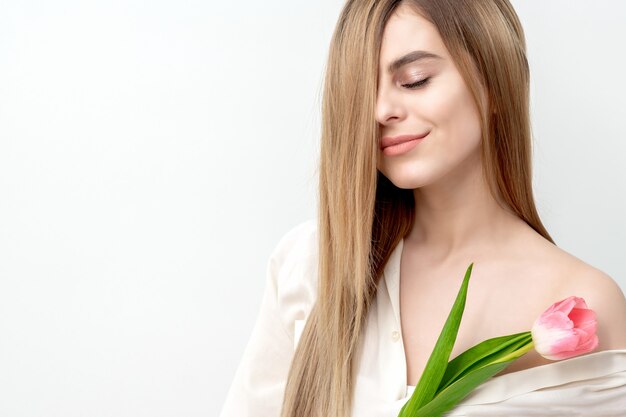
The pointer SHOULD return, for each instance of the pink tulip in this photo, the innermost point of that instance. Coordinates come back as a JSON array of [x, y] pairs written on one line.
[[566, 329]]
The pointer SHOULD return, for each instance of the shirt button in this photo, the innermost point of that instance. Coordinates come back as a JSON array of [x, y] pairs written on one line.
[[395, 336]]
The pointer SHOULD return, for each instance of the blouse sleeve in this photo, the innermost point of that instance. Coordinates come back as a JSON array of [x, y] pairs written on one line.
[[593, 384], [259, 382]]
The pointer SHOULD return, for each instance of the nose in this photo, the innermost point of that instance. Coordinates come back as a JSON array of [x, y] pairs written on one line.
[[389, 108]]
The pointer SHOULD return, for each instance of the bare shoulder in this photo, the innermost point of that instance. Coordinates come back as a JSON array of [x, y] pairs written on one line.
[[603, 295], [561, 274], [599, 290]]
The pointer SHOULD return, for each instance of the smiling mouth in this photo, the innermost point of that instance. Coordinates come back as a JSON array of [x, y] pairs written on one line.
[[397, 145]]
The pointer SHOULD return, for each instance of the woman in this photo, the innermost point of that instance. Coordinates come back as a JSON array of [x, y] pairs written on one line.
[[425, 167]]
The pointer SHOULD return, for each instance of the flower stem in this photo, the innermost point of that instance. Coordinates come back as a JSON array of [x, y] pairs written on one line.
[[519, 352]]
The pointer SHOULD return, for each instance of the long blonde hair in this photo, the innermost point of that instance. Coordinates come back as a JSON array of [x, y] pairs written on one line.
[[362, 215]]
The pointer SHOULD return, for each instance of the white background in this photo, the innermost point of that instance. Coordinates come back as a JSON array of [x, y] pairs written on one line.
[[153, 153]]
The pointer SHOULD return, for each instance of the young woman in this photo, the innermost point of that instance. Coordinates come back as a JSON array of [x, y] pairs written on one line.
[[425, 168]]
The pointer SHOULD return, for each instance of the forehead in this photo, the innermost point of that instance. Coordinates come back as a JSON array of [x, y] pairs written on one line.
[[407, 31]]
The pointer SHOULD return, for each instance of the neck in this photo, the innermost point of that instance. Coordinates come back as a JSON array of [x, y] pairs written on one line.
[[459, 213]]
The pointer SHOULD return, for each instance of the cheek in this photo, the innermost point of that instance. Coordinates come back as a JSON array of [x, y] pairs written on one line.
[[458, 117]]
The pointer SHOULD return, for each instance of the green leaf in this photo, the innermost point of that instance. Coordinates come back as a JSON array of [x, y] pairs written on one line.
[[450, 396], [438, 360], [482, 354]]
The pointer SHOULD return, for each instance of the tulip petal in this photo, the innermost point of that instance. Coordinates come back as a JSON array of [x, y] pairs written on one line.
[[548, 341], [567, 328], [566, 305], [580, 303], [556, 320], [583, 318], [566, 343], [589, 345]]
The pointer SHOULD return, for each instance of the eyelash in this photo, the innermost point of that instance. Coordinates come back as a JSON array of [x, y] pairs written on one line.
[[417, 84]]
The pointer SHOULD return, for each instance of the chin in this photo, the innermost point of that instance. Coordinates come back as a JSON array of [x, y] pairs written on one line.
[[408, 180]]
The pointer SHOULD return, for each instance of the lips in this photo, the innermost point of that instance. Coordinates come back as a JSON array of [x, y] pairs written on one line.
[[395, 140]]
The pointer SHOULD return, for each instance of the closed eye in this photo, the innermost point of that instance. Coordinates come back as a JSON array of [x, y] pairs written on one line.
[[416, 84]]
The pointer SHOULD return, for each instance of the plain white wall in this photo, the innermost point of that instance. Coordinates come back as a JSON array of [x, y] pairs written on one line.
[[153, 153]]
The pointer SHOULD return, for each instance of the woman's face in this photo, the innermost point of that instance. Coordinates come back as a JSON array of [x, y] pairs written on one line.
[[423, 94]]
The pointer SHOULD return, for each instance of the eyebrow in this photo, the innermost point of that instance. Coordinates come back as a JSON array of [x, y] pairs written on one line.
[[411, 57]]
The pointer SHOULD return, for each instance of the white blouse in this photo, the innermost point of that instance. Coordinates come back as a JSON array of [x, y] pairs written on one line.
[[593, 384]]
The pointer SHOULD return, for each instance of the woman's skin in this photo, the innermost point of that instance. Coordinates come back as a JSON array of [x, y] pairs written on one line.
[[517, 273]]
